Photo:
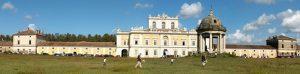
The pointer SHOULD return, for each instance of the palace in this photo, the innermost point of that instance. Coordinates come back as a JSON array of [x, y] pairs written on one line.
[[162, 38]]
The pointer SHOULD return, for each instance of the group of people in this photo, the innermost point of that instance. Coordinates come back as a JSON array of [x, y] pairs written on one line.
[[139, 61]]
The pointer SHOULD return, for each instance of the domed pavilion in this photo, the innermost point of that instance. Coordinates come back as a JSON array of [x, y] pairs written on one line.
[[211, 34]]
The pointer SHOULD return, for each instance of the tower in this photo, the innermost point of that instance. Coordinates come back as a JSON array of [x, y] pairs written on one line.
[[25, 42]]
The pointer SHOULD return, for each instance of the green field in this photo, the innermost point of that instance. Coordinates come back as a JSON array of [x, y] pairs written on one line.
[[32, 64]]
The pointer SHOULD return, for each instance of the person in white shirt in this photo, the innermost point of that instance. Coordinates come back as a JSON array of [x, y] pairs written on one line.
[[172, 61], [104, 61]]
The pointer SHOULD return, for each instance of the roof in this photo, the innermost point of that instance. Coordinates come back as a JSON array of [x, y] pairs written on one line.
[[28, 31], [281, 37], [6, 43], [89, 44], [250, 47], [211, 23]]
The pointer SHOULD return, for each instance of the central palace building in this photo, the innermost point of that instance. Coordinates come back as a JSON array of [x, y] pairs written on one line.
[[163, 37]]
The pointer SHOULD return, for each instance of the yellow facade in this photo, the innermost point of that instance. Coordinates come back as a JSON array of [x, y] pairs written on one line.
[[253, 53], [51, 50]]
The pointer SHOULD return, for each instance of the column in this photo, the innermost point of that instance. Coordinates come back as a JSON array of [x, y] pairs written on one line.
[[219, 43], [210, 42], [200, 43], [224, 42]]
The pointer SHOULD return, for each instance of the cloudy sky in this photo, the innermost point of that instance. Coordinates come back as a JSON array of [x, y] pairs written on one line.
[[247, 21]]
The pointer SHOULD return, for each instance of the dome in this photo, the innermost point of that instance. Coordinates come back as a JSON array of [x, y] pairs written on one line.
[[211, 23]]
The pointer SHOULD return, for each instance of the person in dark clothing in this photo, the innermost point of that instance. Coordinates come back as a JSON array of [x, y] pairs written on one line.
[[203, 60], [139, 62]]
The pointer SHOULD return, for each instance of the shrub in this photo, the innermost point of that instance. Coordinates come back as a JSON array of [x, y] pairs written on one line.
[[7, 52]]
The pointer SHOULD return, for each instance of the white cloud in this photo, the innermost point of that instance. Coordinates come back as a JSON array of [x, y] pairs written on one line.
[[262, 20], [8, 6], [262, 1], [190, 10], [141, 5], [271, 30], [32, 26], [239, 37], [28, 17], [290, 20], [283, 34], [199, 22]]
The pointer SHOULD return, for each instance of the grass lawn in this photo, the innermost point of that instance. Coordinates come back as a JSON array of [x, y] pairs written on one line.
[[32, 64]]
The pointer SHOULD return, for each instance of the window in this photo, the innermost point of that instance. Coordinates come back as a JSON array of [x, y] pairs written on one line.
[[292, 46], [155, 52], [282, 45], [29, 50], [183, 52], [124, 43], [97, 48], [154, 42], [172, 25], [64, 48], [86, 48], [52, 48], [175, 42], [18, 50], [29, 42], [109, 48], [165, 42], [136, 42], [193, 43], [146, 53], [29, 36], [109, 53], [154, 25], [183, 43], [146, 42], [18, 42], [74, 48], [163, 25]]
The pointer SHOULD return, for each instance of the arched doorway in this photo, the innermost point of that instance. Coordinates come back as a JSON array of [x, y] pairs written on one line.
[[124, 53]]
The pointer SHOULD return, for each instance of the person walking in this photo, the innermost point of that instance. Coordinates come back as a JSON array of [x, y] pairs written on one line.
[[139, 62], [172, 61], [203, 60], [104, 62]]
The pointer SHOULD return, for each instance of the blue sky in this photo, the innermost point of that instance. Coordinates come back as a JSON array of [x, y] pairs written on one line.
[[247, 21]]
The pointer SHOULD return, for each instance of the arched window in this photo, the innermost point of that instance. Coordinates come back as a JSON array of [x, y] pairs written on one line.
[[172, 25], [163, 25], [154, 25]]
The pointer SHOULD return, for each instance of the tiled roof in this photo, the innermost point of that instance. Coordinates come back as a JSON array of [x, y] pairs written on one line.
[[27, 32], [281, 37], [6, 43], [250, 47], [89, 44], [298, 47]]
